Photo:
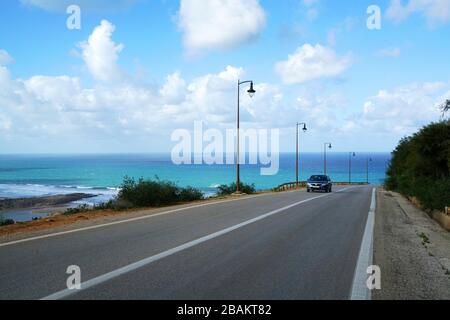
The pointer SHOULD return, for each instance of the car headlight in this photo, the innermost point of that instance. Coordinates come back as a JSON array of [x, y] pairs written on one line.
[[309, 184]]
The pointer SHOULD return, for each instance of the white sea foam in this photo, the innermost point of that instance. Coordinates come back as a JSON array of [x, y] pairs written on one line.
[[37, 190]]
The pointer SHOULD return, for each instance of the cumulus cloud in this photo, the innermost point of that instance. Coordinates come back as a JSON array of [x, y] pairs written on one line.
[[174, 90], [100, 53], [5, 58], [59, 106], [404, 109], [310, 63], [321, 111], [435, 11], [219, 24], [89, 5]]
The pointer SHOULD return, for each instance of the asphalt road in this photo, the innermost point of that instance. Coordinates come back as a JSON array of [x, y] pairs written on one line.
[[298, 246]]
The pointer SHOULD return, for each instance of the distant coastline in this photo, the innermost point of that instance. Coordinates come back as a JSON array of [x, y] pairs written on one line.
[[41, 202]]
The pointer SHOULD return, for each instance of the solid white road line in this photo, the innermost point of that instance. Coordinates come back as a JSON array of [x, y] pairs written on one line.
[[130, 220], [360, 291], [136, 265], [126, 220]]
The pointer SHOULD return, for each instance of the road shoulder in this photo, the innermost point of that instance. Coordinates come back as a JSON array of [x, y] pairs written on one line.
[[412, 250]]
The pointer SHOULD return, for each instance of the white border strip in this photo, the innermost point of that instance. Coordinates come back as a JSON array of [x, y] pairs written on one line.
[[360, 291], [127, 220], [136, 265]]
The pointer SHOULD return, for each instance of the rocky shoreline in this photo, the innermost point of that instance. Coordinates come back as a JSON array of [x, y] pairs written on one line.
[[41, 202]]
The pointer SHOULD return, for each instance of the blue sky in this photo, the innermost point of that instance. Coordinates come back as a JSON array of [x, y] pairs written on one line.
[[157, 65]]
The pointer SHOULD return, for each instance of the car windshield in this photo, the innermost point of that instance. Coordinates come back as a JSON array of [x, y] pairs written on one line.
[[318, 178]]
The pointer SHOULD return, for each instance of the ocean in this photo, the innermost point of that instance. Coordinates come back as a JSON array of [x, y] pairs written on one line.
[[37, 175]]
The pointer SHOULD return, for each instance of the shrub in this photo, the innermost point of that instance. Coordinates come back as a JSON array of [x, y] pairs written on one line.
[[79, 209], [420, 166], [148, 193], [224, 189], [6, 222]]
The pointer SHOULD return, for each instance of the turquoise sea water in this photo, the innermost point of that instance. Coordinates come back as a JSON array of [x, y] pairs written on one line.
[[35, 175]]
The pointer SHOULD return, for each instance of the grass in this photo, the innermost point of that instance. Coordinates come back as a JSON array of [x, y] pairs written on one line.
[[425, 239]]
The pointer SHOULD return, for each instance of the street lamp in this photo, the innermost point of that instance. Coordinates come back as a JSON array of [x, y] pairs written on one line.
[[251, 92], [296, 163], [367, 168], [325, 145], [350, 155]]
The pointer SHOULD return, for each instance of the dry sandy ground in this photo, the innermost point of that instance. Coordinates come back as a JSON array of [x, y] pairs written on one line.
[[412, 250]]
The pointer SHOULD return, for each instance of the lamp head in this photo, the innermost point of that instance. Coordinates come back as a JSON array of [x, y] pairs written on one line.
[[305, 128], [251, 91]]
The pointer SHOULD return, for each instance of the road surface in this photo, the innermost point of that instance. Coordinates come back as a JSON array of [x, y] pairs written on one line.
[[293, 245]]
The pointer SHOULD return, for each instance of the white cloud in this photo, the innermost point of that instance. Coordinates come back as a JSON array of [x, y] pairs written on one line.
[[405, 109], [5, 58], [435, 11], [100, 53], [219, 24], [321, 111], [389, 52], [310, 63], [89, 5], [174, 90]]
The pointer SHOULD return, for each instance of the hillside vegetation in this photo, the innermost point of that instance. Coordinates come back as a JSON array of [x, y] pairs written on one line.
[[420, 166]]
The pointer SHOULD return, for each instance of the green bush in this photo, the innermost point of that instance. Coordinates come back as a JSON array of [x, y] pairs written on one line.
[[224, 189], [143, 193], [6, 222], [149, 193], [420, 166]]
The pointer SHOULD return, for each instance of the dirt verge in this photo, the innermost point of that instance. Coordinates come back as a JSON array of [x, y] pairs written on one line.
[[412, 250]]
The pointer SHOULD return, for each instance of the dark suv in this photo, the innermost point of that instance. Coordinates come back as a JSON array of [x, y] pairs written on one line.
[[319, 183]]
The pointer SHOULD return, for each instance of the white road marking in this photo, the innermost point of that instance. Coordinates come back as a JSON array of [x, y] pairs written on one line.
[[131, 219], [360, 291], [136, 265], [126, 220]]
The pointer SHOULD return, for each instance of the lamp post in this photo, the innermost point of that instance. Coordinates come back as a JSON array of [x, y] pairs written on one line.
[[296, 163], [350, 155], [325, 145], [251, 93], [368, 159]]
